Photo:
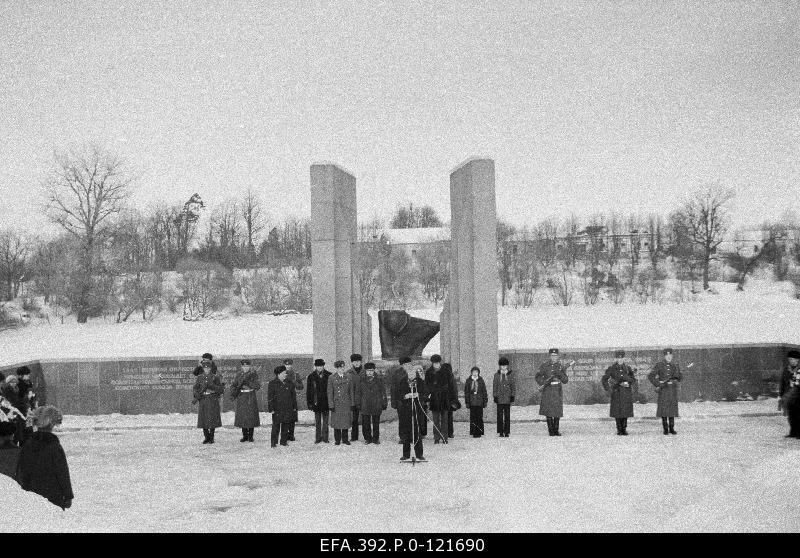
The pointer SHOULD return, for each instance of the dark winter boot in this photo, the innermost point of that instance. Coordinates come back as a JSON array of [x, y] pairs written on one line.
[[549, 426], [245, 434], [205, 435], [619, 426], [211, 436], [625, 426], [664, 424], [672, 425], [250, 435], [555, 427]]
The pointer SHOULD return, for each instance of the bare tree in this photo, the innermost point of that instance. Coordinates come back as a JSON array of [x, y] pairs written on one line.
[[504, 257], [655, 226], [748, 255], [433, 262], [14, 253], [525, 270], [252, 213], [546, 244], [706, 217], [83, 193], [372, 246], [569, 250]]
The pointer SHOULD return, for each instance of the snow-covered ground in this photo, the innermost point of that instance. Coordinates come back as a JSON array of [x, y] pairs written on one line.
[[728, 469], [727, 318]]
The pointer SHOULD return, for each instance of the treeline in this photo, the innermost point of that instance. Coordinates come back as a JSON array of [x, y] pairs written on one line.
[[117, 260]]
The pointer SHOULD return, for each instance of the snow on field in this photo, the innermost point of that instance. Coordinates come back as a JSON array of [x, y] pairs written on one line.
[[728, 318], [720, 473]]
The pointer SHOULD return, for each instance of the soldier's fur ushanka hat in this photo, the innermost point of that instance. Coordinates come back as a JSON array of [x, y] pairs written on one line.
[[619, 353], [552, 351], [369, 366], [503, 361], [319, 362], [405, 359], [436, 358]]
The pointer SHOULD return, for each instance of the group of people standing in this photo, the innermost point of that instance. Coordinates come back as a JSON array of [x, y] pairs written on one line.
[[347, 397]]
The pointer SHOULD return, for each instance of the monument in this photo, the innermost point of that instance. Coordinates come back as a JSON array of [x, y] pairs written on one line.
[[341, 323], [469, 319]]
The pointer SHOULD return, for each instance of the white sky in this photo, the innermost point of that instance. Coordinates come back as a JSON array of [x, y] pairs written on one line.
[[583, 106]]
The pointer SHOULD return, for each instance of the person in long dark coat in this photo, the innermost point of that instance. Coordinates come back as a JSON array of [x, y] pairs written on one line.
[[42, 465], [207, 390], [295, 378], [356, 373], [282, 403], [317, 399], [340, 401], [441, 393], [550, 376], [504, 390], [620, 381], [665, 376], [407, 396], [371, 399], [9, 451], [243, 391], [789, 399], [476, 399]]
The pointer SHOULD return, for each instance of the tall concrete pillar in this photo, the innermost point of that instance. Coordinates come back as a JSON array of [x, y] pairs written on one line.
[[471, 308], [341, 325]]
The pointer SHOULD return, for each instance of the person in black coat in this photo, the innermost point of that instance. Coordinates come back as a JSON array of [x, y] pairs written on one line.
[[207, 390], [295, 378], [407, 396], [356, 375], [441, 395], [620, 381], [317, 399], [790, 393], [476, 399], [371, 401], [9, 451], [19, 406], [282, 403], [42, 466]]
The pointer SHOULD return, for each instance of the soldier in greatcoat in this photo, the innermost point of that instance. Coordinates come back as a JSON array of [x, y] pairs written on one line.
[[790, 393], [550, 376], [207, 390], [476, 399], [295, 378], [441, 395], [620, 381], [282, 403], [407, 396], [340, 401], [356, 373], [372, 401], [317, 399], [243, 391], [504, 390], [665, 376]]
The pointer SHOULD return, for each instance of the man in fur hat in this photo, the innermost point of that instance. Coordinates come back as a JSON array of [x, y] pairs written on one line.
[[355, 373], [790, 392], [407, 396], [317, 399], [282, 403], [441, 394], [504, 390], [295, 378], [340, 400]]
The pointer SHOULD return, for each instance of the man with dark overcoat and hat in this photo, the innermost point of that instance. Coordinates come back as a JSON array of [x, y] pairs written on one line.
[[295, 378], [665, 376], [282, 403], [317, 399], [441, 395], [356, 374], [789, 399], [207, 390], [620, 381], [371, 401], [551, 375], [407, 396]]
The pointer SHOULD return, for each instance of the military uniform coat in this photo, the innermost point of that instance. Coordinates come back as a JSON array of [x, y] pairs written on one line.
[[340, 399], [551, 375], [371, 396], [504, 387], [475, 394], [665, 376], [441, 388], [407, 428], [207, 390], [243, 391], [621, 396], [317, 392], [281, 400]]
